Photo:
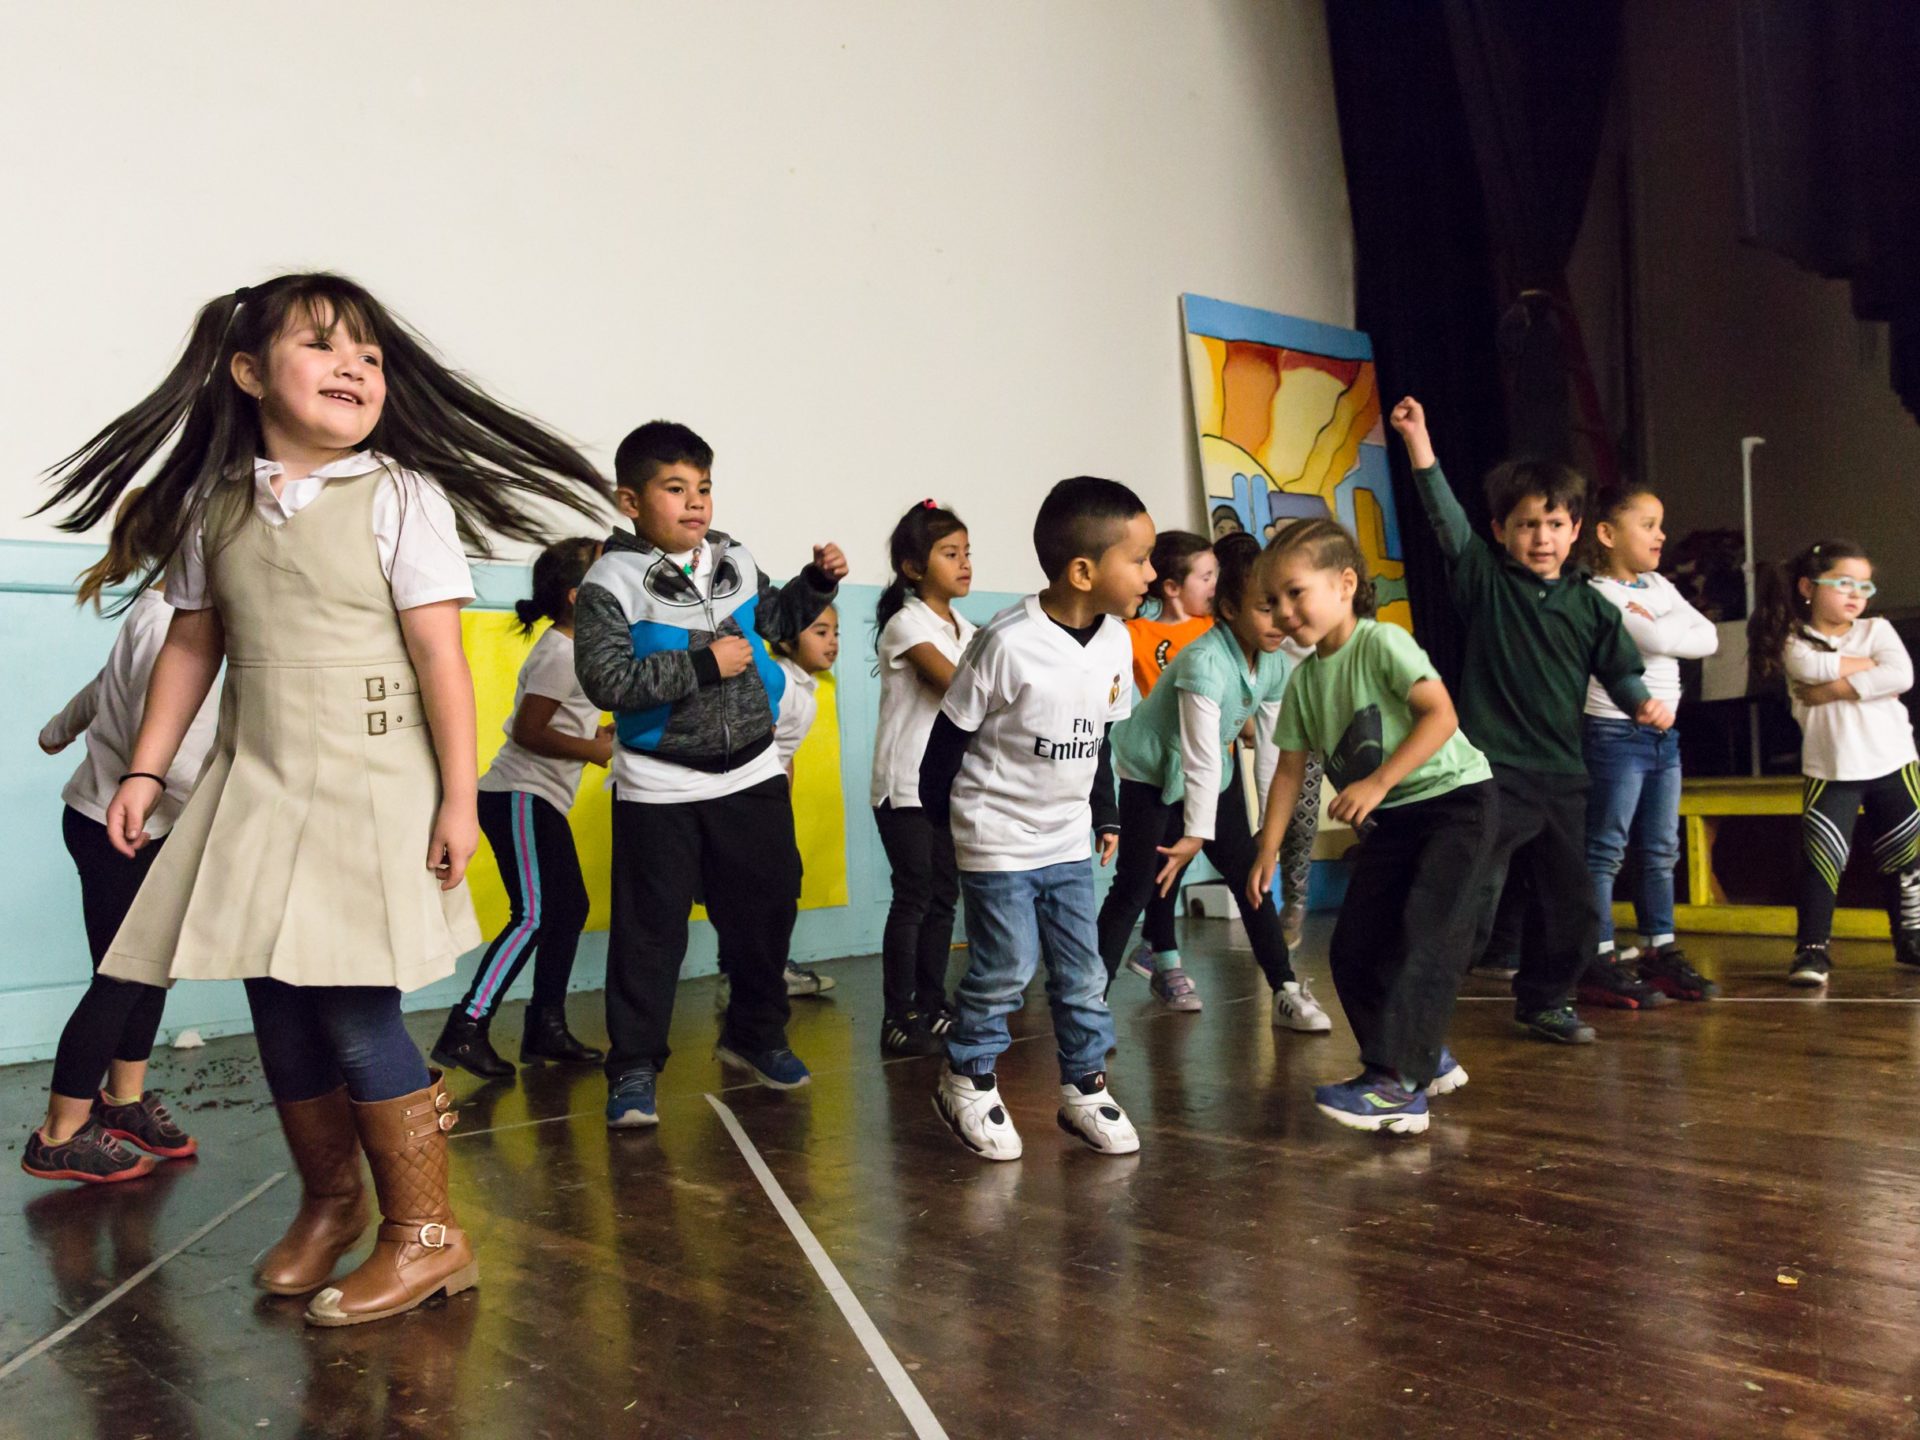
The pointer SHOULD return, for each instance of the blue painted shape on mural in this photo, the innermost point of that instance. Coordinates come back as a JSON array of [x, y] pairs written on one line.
[[1371, 474], [1223, 320]]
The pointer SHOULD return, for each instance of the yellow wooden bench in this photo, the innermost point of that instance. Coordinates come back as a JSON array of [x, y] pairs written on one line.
[[1703, 804]]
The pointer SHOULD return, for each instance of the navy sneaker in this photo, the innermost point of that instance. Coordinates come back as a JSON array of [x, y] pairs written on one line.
[[1449, 1077], [1612, 986], [778, 1069], [630, 1103], [1373, 1102], [1560, 1025]]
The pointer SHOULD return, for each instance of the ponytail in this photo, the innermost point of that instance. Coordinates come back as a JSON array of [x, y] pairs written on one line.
[[557, 571], [1780, 612]]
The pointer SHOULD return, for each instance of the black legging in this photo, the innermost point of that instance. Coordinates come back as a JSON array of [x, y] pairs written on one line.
[[533, 846], [115, 1019], [1146, 824], [918, 939]]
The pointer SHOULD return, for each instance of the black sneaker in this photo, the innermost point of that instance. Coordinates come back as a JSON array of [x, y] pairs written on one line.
[[147, 1124], [90, 1155], [908, 1034], [463, 1045], [1811, 966], [1561, 1025], [942, 1018], [1906, 948], [1665, 968], [1614, 987]]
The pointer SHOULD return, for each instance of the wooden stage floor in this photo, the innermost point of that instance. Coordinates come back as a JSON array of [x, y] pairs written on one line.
[[1587, 1242]]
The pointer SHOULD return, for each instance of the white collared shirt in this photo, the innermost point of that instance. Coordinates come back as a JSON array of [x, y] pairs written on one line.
[[413, 527]]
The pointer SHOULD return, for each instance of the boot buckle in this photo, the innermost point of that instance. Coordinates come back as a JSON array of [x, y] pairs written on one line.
[[439, 1244]]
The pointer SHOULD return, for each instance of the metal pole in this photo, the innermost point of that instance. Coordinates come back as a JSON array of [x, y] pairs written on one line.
[[1748, 445]]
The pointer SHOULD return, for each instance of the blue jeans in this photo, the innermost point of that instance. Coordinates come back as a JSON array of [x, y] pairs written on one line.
[[1015, 918], [314, 1038], [1634, 796]]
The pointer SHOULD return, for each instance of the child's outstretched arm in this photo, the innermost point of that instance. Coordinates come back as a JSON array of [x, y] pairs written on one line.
[[1201, 761], [74, 718], [432, 633], [778, 615], [1450, 523], [182, 675]]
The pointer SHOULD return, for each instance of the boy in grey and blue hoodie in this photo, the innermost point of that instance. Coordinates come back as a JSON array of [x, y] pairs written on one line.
[[670, 632]]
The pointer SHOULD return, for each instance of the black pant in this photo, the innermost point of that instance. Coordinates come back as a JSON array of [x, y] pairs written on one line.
[[1826, 830], [1146, 824], [115, 1019], [926, 886], [1401, 943], [541, 871], [1540, 839], [740, 850], [315, 1038]]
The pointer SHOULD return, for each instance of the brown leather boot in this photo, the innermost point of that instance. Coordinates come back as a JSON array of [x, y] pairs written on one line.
[[333, 1199], [420, 1252]]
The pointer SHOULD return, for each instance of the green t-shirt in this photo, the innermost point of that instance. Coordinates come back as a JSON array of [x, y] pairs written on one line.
[[1146, 745], [1351, 709]]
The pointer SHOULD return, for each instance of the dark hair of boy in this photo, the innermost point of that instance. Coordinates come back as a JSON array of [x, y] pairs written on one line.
[[1560, 485], [652, 447], [1780, 611], [558, 570], [1081, 519], [1329, 545]]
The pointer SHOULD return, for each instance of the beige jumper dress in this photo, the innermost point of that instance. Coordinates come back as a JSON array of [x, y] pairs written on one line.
[[303, 853]]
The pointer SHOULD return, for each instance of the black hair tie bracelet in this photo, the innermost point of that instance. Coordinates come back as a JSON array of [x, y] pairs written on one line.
[[159, 780]]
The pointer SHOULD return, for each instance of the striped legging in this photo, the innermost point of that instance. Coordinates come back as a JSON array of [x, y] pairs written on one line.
[[534, 849], [1831, 807]]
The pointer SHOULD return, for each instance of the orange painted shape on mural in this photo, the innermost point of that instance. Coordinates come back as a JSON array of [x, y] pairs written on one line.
[[1249, 376]]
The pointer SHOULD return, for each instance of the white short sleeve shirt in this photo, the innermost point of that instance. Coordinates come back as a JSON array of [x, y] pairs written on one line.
[[1038, 703], [413, 527], [907, 703], [548, 671]]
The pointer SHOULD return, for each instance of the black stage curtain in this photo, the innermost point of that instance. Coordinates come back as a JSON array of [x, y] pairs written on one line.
[[1830, 153], [1470, 130]]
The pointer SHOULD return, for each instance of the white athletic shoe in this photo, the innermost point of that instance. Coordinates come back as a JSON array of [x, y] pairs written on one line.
[[1294, 1008], [970, 1104], [1089, 1112], [1452, 1076]]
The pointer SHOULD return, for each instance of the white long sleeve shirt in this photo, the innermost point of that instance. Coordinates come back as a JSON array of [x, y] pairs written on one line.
[[1671, 631], [1854, 739], [108, 711]]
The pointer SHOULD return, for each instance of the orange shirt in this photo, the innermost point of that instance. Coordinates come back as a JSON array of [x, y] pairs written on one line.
[[1156, 642]]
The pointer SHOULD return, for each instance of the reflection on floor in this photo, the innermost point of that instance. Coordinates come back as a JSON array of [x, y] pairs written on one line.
[[1588, 1241]]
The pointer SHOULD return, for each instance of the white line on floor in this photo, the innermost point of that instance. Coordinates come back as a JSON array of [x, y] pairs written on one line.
[[119, 1291], [898, 1381]]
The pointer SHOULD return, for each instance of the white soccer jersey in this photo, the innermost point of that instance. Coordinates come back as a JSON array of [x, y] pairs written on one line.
[[1039, 703]]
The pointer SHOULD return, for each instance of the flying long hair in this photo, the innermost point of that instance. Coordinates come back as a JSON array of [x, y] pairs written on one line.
[[496, 465]]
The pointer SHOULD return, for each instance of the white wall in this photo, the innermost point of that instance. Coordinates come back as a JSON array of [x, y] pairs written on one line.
[[873, 250]]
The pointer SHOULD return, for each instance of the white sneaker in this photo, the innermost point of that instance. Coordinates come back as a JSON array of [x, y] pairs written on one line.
[[970, 1104], [1088, 1111], [1294, 1008], [1452, 1076]]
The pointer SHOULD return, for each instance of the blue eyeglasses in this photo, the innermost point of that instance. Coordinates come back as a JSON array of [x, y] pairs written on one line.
[[1847, 585]]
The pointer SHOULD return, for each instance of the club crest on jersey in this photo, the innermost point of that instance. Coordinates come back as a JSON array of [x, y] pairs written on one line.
[[1113, 695]]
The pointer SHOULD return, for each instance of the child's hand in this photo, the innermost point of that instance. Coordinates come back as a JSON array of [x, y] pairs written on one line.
[[127, 814], [603, 745], [829, 559], [1178, 855], [1107, 845], [1260, 878], [1825, 694], [1637, 608], [456, 835], [1409, 418], [1359, 800], [732, 654], [1656, 713], [47, 749]]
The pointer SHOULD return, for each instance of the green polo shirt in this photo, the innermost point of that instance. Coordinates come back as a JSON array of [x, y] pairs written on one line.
[[1531, 644]]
